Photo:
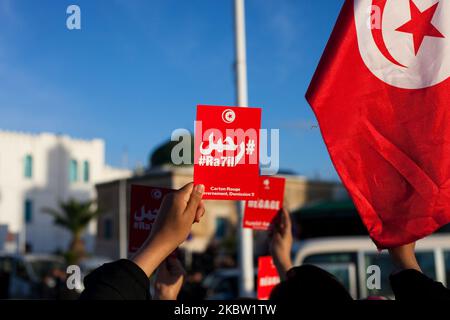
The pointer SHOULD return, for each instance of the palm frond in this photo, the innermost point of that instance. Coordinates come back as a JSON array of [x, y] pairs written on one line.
[[73, 215]]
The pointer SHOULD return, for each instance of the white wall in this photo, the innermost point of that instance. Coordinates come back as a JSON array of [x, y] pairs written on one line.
[[49, 183]]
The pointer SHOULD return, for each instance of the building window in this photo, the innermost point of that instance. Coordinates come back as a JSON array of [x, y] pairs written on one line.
[[28, 169], [86, 171], [28, 211], [73, 170], [107, 229]]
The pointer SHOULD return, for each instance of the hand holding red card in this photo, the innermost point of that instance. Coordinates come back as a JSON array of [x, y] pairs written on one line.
[[144, 206], [177, 212], [268, 277], [226, 153], [260, 213]]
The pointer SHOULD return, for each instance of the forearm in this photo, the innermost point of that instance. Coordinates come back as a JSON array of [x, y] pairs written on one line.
[[404, 257], [151, 255], [283, 265]]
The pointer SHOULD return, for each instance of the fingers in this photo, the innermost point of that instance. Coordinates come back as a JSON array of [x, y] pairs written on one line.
[[281, 224], [200, 212], [185, 192], [278, 222], [195, 200], [192, 196], [273, 227], [285, 220]]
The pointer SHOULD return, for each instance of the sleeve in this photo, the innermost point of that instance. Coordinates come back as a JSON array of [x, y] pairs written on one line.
[[119, 280], [414, 285]]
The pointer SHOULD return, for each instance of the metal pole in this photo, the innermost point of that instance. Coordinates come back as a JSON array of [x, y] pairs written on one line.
[[123, 219], [245, 253], [22, 235]]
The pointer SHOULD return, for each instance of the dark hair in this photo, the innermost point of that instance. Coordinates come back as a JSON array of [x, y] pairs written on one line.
[[309, 282]]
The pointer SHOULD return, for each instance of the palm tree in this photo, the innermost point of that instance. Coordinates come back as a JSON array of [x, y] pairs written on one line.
[[74, 216]]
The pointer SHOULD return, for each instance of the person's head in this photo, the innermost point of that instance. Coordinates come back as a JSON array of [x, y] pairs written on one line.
[[309, 283], [196, 277]]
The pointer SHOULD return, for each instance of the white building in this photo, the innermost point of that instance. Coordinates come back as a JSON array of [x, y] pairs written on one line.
[[39, 170]]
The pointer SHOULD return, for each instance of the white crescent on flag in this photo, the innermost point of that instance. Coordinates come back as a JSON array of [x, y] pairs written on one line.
[[411, 47]]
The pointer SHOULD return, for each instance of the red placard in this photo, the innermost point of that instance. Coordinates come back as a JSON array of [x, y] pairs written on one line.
[[260, 213], [268, 277], [226, 153], [144, 206]]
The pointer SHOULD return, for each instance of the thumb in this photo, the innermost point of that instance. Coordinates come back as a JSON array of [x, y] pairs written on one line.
[[195, 199]]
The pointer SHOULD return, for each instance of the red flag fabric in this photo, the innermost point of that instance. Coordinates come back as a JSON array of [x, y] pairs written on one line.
[[381, 97]]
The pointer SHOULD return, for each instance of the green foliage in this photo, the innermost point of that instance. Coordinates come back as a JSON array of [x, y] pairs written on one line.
[[71, 257], [73, 215]]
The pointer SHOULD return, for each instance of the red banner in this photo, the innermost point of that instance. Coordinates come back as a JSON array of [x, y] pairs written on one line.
[[268, 277], [144, 206], [226, 153], [259, 213]]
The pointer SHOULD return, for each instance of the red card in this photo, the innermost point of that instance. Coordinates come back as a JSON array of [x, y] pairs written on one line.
[[226, 153], [260, 213], [144, 206], [268, 277]]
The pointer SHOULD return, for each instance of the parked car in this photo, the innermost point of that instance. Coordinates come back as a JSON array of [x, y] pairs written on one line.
[[22, 276], [349, 257], [223, 284]]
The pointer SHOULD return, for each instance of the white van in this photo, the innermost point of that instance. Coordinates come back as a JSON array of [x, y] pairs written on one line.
[[348, 258]]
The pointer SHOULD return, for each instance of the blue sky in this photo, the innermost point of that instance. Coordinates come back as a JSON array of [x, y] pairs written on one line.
[[138, 68]]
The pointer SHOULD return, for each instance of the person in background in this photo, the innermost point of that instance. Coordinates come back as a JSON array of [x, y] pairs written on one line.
[[305, 282], [408, 282], [53, 286], [193, 289], [308, 282], [128, 279], [169, 279]]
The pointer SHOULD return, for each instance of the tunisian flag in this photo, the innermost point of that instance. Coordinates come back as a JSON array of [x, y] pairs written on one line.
[[381, 96]]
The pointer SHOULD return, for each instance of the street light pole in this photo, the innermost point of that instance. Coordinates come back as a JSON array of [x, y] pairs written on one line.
[[123, 218], [245, 253]]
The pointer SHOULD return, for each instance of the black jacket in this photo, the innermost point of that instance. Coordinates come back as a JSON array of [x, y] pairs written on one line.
[[119, 280], [124, 280], [413, 285]]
